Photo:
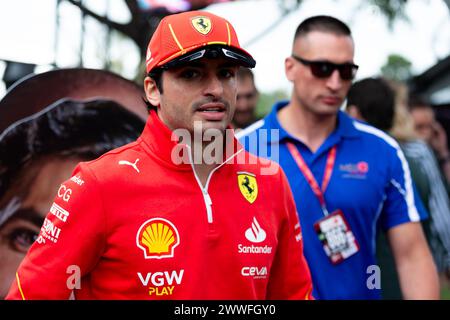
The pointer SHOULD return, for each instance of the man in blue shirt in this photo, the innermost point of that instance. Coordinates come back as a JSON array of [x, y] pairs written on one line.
[[348, 178]]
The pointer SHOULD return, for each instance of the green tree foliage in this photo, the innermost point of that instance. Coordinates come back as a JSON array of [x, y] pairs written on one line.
[[397, 68], [391, 9]]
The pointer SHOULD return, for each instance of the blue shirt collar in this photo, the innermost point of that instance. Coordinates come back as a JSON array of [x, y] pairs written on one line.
[[344, 129]]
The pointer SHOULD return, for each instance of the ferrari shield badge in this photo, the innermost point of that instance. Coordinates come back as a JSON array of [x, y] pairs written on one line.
[[248, 186], [202, 24]]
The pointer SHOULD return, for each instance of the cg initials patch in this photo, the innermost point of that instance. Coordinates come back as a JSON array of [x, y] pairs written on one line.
[[248, 186], [202, 25]]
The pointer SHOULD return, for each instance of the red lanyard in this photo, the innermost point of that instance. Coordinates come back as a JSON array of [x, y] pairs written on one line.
[[310, 177]]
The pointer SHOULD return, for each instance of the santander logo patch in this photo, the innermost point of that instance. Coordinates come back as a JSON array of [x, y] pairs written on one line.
[[255, 234]]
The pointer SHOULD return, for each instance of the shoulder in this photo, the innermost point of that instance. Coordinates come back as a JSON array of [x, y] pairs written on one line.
[[377, 145], [374, 134], [251, 129], [376, 137], [112, 164], [416, 149]]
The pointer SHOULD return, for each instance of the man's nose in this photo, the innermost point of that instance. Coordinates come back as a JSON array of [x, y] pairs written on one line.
[[240, 101], [214, 86], [334, 82]]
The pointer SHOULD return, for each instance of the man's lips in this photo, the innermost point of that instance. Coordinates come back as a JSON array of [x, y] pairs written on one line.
[[211, 107], [331, 100], [212, 111]]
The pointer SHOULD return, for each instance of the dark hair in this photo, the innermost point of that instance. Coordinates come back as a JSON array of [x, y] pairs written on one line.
[[375, 100], [27, 96], [156, 75], [418, 102], [322, 23], [68, 128]]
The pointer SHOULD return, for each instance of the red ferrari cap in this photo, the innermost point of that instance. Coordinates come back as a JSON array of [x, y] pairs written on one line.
[[191, 35]]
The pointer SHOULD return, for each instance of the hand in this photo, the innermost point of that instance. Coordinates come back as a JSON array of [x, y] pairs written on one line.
[[439, 140]]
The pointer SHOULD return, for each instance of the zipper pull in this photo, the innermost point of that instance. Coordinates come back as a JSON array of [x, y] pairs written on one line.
[[207, 198], [208, 203]]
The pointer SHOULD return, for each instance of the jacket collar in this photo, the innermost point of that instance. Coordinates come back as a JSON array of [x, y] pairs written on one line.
[[162, 143], [344, 128]]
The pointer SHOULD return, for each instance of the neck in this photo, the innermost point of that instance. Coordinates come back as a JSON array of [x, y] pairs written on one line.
[[202, 171], [310, 128], [206, 156]]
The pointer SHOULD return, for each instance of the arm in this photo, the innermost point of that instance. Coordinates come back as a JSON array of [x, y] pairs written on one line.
[[290, 278], [401, 216], [417, 272]]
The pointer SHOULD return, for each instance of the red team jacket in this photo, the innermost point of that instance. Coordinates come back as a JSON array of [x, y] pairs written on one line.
[[133, 224]]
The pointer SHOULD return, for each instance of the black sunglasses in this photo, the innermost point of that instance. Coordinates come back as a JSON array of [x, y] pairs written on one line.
[[324, 69]]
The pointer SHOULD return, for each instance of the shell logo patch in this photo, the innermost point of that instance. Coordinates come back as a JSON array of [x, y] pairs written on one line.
[[248, 186], [158, 238], [202, 24]]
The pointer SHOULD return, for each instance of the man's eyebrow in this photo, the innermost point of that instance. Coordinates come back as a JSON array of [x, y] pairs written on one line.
[[28, 214]]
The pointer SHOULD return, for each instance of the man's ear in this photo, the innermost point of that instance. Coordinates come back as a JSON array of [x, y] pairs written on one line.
[[289, 68], [152, 92]]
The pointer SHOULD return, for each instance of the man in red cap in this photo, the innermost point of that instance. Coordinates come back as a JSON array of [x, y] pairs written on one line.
[[184, 212]]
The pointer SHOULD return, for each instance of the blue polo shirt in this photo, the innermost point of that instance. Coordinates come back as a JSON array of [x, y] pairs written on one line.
[[371, 184]]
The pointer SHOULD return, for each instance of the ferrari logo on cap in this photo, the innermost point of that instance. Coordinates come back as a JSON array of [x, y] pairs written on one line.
[[202, 24], [248, 186]]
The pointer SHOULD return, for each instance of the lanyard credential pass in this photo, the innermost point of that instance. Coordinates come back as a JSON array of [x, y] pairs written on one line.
[[333, 231], [319, 192]]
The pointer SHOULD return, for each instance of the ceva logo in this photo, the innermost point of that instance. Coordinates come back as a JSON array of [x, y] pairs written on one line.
[[255, 272], [255, 234]]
